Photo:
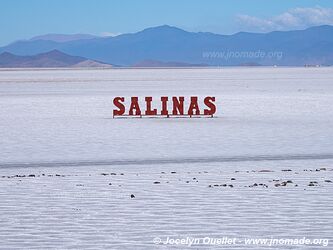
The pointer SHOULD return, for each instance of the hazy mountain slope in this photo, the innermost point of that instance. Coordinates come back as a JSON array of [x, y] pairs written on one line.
[[63, 37], [50, 59]]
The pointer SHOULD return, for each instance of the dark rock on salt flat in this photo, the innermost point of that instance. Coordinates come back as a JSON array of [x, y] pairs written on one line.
[[233, 179], [31, 175], [286, 170], [261, 185], [313, 183], [157, 182], [283, 183], [104, 174], [173, 172], [19, 176], [132, 196], [328, 181], [316, 170], [221, 185], [265, 171]]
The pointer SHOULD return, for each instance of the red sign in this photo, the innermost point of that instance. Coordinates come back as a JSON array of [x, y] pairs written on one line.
[[179, 107]]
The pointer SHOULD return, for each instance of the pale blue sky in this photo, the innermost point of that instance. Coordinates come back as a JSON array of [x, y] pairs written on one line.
[[23, 19]]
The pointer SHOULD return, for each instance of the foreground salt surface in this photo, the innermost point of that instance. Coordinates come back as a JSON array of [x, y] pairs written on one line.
[[59, 122], [77, 208]]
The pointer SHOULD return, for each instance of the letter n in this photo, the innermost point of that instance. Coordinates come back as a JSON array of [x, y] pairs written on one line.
[[178, 105]]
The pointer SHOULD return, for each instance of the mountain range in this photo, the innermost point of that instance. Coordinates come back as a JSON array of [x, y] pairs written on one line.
[[52, 59], [163, 44]]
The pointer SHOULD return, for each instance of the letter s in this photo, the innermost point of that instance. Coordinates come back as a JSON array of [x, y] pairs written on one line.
[[118, 102], [209, 102]]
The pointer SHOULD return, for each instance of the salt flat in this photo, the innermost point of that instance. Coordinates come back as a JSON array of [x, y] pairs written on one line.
[[66, 116], [59, 122]]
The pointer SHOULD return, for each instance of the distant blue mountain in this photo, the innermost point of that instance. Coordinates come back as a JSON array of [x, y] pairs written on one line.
[[170, 44]]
